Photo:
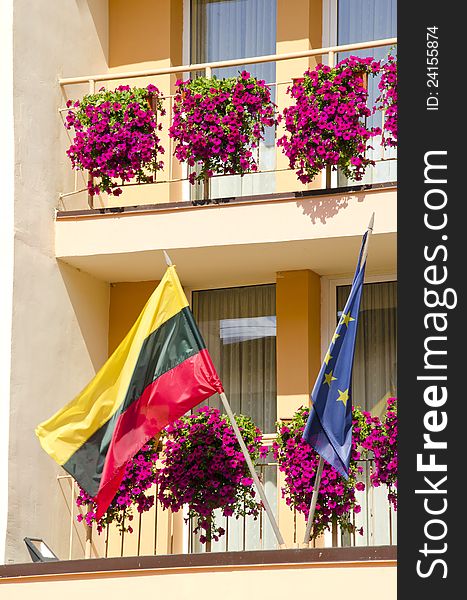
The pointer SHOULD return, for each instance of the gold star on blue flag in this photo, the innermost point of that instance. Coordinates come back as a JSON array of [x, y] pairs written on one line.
[[329, 426]]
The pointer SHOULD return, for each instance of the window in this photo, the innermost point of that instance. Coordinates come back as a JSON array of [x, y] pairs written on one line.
[[239, 328], [351, 21], [374, 379], [230, 29], [374, 376], [366, 20]]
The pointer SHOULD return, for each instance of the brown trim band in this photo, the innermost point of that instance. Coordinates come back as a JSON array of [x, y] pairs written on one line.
[[214, 559], [258, 198]]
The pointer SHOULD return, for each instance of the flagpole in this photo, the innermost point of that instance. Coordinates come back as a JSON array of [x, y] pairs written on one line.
[[253, 472], [246, 454], [167, 259], [367, 241], [314, 497]]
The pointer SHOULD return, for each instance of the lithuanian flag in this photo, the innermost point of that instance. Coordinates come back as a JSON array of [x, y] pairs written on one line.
[[160, 370]]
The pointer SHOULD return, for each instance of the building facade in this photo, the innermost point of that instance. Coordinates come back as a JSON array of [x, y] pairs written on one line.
[[264, 257]]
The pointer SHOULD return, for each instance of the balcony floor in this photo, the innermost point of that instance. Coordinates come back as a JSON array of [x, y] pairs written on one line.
[[236, 241]]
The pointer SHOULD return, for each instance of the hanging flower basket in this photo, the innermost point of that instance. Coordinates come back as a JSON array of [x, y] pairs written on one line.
[[371, 439], [116, 137], [387, 101], [203, 467], [139, 477], [218, 123], [381, 441], [326, 127], [299, 462]]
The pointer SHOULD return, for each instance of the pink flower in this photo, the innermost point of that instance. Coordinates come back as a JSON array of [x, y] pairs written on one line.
[[139, 477], [325, 126], [115, 137], [204, 468], [215, 128], [298, 462]]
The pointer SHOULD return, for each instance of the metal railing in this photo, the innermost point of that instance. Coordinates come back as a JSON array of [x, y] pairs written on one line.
[[174, 177], [160, 532]]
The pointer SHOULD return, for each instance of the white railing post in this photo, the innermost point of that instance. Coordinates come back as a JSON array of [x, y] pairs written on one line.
[[327, 175]]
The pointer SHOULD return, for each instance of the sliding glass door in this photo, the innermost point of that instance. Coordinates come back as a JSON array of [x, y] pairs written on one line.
[[230, 29]]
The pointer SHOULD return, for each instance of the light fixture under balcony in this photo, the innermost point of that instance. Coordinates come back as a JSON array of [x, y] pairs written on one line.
[[39, 550]]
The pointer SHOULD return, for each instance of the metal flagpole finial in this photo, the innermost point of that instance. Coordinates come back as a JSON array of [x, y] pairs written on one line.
[[370, 231], [167, 259]]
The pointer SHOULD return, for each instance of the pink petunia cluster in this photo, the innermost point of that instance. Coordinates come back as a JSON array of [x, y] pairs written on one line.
[[388, 100], [139, 476], [116, 137], [381, 441], [326, 126], [298, 461], [218, 123], [204, 468]]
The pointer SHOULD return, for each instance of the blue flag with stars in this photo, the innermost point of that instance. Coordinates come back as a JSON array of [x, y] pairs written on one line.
[[329, 426]]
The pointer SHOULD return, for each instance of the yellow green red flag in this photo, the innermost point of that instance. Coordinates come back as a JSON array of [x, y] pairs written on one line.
[[160, 370]]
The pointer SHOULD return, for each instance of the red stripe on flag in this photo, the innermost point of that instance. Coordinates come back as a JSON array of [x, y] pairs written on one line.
[[164, 401]]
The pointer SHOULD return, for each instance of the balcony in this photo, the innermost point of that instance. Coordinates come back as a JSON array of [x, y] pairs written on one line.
[[160, 532], [273, 174], [270, 573], [289, 226], [120, 239]]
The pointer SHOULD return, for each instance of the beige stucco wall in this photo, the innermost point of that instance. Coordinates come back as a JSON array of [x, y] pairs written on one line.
[[144, 34], [127, 300], [59, 333], [332, 582], [297, 30], [298, 338], [298, 361], [7, 160]]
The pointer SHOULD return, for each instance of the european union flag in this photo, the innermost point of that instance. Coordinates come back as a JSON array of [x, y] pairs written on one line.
[[329, 425]]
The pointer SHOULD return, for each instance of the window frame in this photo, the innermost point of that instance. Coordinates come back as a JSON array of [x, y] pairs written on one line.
[[329, 285], [329, 37], [187, 539]]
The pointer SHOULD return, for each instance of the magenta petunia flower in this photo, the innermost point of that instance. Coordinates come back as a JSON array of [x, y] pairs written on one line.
[[204, 468], [139, 477], [115, 137], [326, 125], [217, 123]]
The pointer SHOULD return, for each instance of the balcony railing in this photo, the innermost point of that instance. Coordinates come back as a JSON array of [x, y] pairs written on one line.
[[159, 532], [274, 174]]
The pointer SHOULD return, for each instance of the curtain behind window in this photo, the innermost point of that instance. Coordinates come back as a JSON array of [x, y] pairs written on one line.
[[239, 328], [374, 380], [363, 21], [229, 29], [375, 367]]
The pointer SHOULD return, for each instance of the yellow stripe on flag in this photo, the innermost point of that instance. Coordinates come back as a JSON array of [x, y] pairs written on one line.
[[67, 430]]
